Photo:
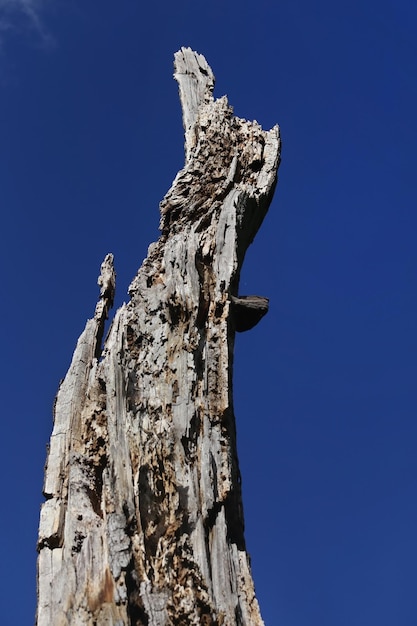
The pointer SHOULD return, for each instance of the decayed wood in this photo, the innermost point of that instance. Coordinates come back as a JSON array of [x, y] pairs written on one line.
[[142, 522]]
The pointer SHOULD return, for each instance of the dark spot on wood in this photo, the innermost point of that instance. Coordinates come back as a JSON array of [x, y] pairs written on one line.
[[78, 542]]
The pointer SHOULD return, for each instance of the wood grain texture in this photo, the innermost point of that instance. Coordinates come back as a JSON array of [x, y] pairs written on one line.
[[142, 522]]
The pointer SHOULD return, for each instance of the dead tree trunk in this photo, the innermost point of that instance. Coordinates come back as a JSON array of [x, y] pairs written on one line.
[[143, 523]]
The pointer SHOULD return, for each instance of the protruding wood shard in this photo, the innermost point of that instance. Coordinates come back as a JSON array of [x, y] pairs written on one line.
[[143, 520], [107, 284]]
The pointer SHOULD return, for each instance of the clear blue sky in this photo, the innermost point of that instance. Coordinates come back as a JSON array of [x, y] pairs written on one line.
[[326, 385]]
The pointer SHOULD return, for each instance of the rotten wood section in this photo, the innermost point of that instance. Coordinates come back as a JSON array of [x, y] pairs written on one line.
[[142, 522]]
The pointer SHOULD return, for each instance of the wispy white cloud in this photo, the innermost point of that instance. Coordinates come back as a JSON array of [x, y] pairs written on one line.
[[12, 12]]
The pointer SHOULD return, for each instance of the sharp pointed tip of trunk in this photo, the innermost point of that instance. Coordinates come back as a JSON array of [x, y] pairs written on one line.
[[196, 83], [107, 280]]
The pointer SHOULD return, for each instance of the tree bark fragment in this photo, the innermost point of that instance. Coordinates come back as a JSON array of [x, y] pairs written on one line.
[[142, 522]]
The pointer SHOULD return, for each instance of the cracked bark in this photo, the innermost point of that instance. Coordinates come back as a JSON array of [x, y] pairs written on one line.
[[142, 522]]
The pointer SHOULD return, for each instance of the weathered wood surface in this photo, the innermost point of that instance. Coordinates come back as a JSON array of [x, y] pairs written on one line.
[[143, 523]]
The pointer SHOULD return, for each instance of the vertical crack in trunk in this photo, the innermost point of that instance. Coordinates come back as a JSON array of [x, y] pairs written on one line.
[[143, 521]]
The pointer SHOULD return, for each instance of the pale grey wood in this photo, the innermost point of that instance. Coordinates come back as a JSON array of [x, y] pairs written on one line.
[[143, 522]]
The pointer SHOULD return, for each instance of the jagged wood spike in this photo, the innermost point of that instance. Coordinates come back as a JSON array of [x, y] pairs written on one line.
[[143, 522]]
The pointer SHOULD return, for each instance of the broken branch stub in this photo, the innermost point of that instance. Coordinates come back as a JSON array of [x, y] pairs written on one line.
[[143, 522]]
